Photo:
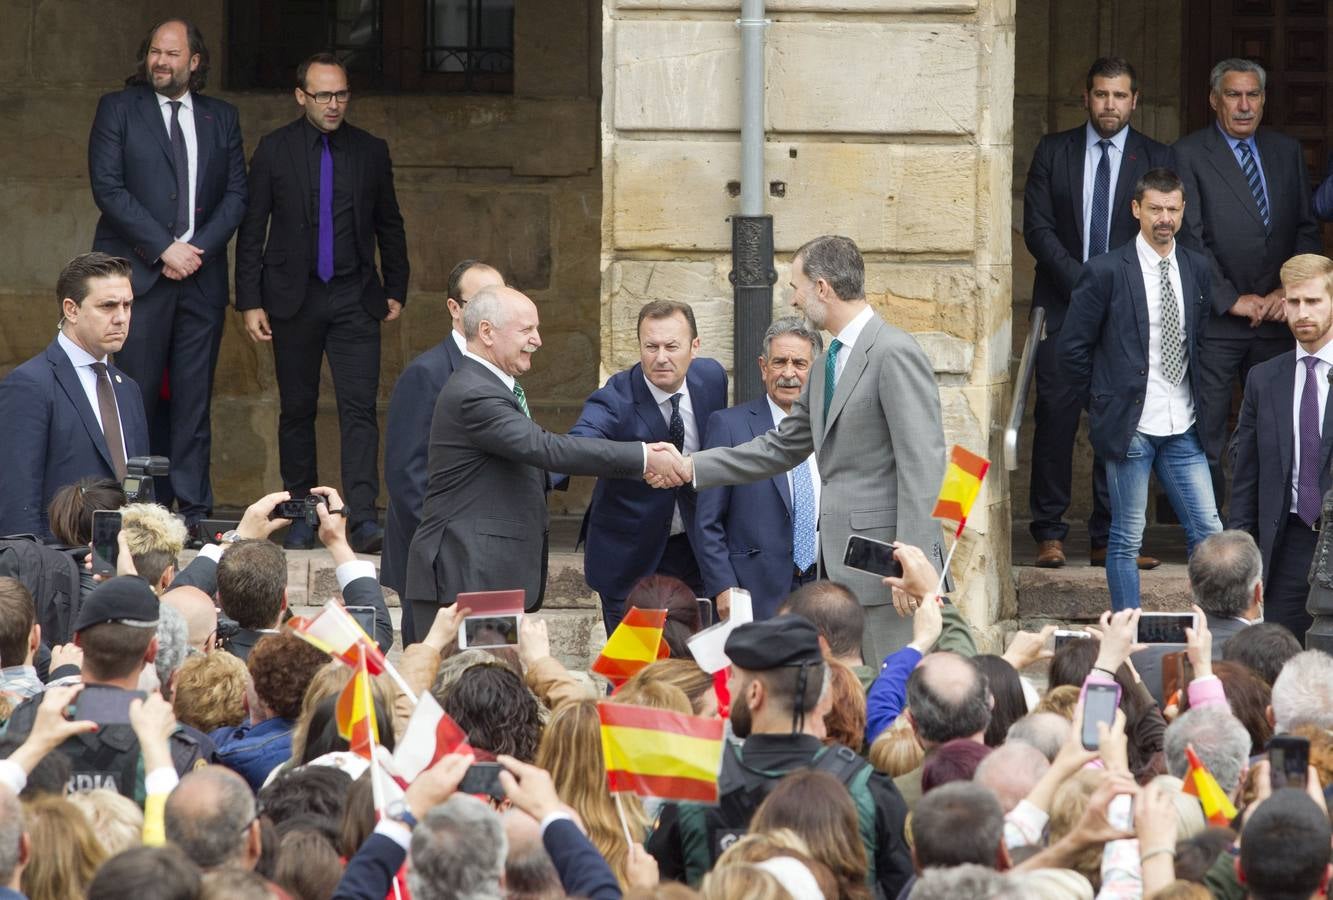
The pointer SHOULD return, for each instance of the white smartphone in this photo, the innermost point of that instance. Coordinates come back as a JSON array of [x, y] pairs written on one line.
[[489, 631]]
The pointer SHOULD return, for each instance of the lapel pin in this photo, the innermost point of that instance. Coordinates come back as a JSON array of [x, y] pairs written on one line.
[[117, 379]]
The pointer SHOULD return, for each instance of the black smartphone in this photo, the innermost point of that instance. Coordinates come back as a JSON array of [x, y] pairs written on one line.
[[365, 617], [1164, 628], [106, 548], [1288, 760], [1099, 705], [482, 778], [870, 555]]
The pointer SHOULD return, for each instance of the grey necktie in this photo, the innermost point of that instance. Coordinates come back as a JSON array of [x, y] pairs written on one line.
[[106, 406], [1173, 335]]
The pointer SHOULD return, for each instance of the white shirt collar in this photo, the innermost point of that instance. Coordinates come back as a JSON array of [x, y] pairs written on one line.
[[1325, 353], [499, 373], [852, 330], [186, 99], [77, 355], [1150, 258], [778, 412], [1117, 140], [459, 341], [660, 396]]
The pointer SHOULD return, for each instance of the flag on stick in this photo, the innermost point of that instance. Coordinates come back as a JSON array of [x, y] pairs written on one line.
[[962, 483], [635, 643], [356, 711], [430, 735], [1199, 782], [335, 632], [660, 754]]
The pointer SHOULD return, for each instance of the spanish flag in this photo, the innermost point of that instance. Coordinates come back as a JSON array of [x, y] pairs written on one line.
[[1199, 782], [635, 643], [355, 711], [335, 632], [660, 754], [962, 483]]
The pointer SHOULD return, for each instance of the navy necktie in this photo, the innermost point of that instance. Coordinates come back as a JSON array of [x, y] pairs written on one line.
[[1101, 203], [676, 427], [324, 263], [180, 158], [1251, 170], [1308, 497]]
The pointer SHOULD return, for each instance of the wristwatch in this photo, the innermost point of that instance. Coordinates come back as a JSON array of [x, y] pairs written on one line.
[[230, 537], [398, 811]]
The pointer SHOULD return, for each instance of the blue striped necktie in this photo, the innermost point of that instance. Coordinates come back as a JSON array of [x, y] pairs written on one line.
[[1251, 170]]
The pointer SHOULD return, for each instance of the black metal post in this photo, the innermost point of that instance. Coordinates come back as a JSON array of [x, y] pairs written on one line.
[[752, 278]]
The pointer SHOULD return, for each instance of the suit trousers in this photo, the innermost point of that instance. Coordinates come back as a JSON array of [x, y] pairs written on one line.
[[174, 338], [1056, 416], [677, 561], [1224, 357], [1286, 584], [330, 322]]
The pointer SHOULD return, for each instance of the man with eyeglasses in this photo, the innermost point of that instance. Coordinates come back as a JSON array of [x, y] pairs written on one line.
[[322, 198]]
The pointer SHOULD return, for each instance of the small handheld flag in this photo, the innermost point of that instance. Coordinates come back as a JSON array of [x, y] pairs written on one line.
[[962, 484], [335, 632], [355, 711], [429, 736], [635, 643], [654, 753], [1199, 782]]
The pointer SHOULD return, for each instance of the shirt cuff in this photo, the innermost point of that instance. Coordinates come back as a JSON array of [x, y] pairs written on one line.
[[395, 831], [645, 458], [352, 570], [211, 551], [161, 781], [554, 817], [12, 776]]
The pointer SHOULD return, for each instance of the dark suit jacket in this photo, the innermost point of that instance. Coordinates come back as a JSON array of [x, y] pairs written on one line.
[[1053, 210], [1148, 662], [1265, 447], [370, 872], [1222, 220], [273, 272], [1104, 343], [484, 520], [411, 407], [583, 872], [52, 437], [743, 534], [627, 523], [133, 177]]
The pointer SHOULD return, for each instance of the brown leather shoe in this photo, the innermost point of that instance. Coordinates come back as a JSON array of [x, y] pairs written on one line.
[[1050, 554], [1097, 557]]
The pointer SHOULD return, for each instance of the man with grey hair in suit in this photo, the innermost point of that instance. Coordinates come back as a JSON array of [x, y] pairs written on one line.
[[870, 413]]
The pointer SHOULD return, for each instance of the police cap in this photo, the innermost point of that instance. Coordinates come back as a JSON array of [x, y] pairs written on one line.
[[775, 643], [126, 599]]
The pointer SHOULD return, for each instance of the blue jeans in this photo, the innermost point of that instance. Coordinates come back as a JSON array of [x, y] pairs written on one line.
[[1182, 471]]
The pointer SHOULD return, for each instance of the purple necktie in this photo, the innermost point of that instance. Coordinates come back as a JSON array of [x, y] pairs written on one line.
[[1308, 496], [324, 265]]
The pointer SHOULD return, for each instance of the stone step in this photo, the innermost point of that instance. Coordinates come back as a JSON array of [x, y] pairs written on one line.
[[1078, 593]]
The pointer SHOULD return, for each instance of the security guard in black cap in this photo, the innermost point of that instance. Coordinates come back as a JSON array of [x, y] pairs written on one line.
[[117, 630], [778, 701]]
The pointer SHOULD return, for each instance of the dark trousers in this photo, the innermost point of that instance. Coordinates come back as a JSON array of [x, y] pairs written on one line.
[[1223, 357], [174, 335], [1287, 583], [677, 561], [330, 322], [1056, 416]]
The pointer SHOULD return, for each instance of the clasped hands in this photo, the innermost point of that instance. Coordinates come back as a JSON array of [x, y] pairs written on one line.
[[666, 468]]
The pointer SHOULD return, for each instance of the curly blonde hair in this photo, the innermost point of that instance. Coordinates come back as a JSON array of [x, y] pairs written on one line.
[[155, 538], [210, 691]]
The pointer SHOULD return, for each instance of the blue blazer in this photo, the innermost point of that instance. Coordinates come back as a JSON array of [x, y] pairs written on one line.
[[627, 523], [743, 534], [411, 408], [1104, 343], [1264, 447], [133, 179], [52, 437]]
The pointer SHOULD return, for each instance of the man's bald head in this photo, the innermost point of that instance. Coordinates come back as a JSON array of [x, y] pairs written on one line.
[[948, 697], [211, 816], [500, 324], [1046, 731], [1012, 770], [201, 616]]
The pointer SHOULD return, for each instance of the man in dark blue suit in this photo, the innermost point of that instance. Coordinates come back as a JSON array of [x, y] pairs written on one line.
[[1131, 345], [1076, 207], [411, 407], [630, 529], [745, 535], [1283, 442], [68, 413], [168, 173]]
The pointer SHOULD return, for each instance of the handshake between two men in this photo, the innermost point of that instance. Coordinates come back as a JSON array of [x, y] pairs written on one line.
[[665, 467]]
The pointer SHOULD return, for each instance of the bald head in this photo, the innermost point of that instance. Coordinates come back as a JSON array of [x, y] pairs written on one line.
[[948, 698], [500, 324], [1044, 730], [211, 816], [199, 613], [1012, 770]]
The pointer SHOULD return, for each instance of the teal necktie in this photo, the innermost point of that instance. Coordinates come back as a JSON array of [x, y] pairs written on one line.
[[522, 399], [830, 374]]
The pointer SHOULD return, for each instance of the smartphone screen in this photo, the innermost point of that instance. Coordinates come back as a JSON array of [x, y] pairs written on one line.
[[365, 617], [1064, 636], [482, 778], [1164, 628], [1099, 705], [106, 548], [705, 612], [869, 555], [489, 631], [1288, 759]]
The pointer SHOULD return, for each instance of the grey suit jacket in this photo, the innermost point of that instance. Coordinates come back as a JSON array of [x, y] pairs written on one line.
[[880, 451], [484, 519]]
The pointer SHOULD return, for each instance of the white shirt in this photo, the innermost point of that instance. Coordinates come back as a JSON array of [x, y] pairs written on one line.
[[1092, 156], [663, 401], [778, 415], [850, 332], [459, 341], [83, 367], [499, 373], [186, 119], [1321, 368], [1167, 409]]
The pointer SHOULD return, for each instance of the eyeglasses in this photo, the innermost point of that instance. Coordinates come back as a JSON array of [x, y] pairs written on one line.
[[325, 96]]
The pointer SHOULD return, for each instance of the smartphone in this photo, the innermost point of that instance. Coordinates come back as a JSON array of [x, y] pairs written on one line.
[[106, 548], [365, 617], [870, 555], [1120, 812], [482, 778], [1100, 702], [1065, 635], [489, 631], [705, 612], [1164, 628], [1288, 759]]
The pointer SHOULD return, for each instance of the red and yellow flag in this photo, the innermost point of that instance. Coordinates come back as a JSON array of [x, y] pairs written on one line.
[[654, 753], [1199, 782], [962, 483], [635, 643], [335, 632], [355, 711]]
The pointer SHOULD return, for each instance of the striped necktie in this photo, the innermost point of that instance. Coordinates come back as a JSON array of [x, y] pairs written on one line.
[[522, 399], [1251, 170]]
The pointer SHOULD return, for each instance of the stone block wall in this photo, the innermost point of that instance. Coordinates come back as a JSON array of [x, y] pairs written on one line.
[[511, 179], [888, 121]]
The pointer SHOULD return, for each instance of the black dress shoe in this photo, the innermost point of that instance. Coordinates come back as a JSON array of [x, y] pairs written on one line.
[[300, 536], [366, 537]]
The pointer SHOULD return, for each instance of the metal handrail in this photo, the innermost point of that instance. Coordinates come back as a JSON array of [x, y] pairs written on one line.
[[1027, 365]]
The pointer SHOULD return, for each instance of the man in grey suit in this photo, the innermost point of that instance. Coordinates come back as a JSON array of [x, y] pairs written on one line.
[[484, 519], [1248, 210], [871, 415]]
